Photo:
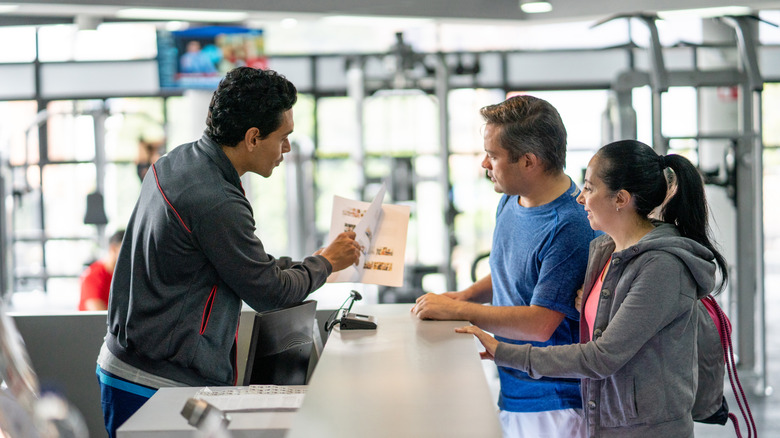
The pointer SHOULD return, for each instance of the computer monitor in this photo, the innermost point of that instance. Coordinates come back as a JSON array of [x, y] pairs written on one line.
[[281, 346]]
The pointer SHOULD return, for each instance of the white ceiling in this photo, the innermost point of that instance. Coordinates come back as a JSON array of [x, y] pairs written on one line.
[[52, 11]]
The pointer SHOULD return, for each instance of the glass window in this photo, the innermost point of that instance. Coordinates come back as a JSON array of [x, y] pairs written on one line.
[[771, 113], [133, 121], [771, 126], [475, 199], [641, 98], [581, 112], [337, 126], [767, 33], [110, 41], [65, 188], [428, 225], [268, 199], [465, 121], [70, 257], [401, 122], [336, 173], [535, 36], [334, 177], [71, 129], [671, 31], [121, 189], [19, 133], [303, 113], [378, 168], [74, 139], [23, 47], [179, 129], [333, 34], [679, 115], [26, 208], [28, 264]]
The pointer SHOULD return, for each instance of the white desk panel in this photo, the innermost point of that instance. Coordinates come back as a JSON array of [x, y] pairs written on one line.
[[161, 417]]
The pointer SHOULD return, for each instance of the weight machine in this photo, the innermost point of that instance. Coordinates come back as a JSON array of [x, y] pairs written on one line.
[[740, 173]]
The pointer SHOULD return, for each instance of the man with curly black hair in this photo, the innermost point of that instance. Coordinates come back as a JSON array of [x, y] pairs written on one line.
[[191, 256]]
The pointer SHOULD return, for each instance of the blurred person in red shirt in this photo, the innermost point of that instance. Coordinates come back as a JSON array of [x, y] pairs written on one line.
[[96, 279]]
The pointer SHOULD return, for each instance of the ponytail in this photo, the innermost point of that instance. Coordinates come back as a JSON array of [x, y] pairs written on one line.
[[687, 208]]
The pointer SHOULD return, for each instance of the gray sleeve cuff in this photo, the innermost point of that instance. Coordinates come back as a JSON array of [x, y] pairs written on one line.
[[513, 356], [328, 266]]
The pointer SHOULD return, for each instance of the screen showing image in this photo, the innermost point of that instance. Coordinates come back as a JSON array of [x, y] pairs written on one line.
[[200, 57]]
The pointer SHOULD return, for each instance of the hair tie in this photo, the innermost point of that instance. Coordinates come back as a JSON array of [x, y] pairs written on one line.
[[662, 162]]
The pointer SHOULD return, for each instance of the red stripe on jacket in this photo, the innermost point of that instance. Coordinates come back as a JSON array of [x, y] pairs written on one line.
[[204, 320], [154, 169]]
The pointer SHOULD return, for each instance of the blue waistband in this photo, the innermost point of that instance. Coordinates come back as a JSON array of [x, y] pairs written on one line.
[[125, 385]]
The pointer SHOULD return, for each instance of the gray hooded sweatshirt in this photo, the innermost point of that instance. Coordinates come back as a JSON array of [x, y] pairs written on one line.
[[639, 372]]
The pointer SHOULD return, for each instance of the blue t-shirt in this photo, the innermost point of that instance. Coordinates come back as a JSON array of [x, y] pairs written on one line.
[[539, 257]]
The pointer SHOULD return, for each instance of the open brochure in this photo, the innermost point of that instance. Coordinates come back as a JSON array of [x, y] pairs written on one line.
[[381, 231]]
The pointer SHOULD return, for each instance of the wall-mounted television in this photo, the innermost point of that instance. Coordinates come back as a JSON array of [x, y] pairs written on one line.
[[199, 57]]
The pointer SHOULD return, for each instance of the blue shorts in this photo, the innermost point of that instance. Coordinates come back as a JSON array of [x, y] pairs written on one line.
[[120, 399]]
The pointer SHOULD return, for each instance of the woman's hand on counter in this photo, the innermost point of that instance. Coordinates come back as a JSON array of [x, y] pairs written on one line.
[[489, 342]]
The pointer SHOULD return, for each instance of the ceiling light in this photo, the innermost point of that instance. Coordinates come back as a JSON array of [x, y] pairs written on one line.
[[173, 26], [362, 20], [8, 8], [706, 12], [535, 7], [288, 23], [182, 14]]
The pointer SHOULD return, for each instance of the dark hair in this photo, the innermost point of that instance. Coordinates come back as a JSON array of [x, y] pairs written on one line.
[[530, 125], [635, 167], [248, 98], [116, 238]]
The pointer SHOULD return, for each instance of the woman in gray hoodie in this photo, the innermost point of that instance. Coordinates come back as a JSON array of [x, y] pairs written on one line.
[[637, 354]]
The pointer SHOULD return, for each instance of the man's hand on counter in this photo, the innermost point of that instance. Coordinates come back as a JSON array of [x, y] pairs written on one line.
[[437, 306]]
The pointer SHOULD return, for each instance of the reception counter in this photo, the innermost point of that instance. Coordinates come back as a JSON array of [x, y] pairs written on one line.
[[407, 378]]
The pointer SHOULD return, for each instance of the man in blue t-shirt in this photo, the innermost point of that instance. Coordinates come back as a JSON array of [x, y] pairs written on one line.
[[537, 263]]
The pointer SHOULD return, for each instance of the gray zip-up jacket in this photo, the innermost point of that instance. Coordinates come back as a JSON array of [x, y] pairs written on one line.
[[189, 257], [639, 373]]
